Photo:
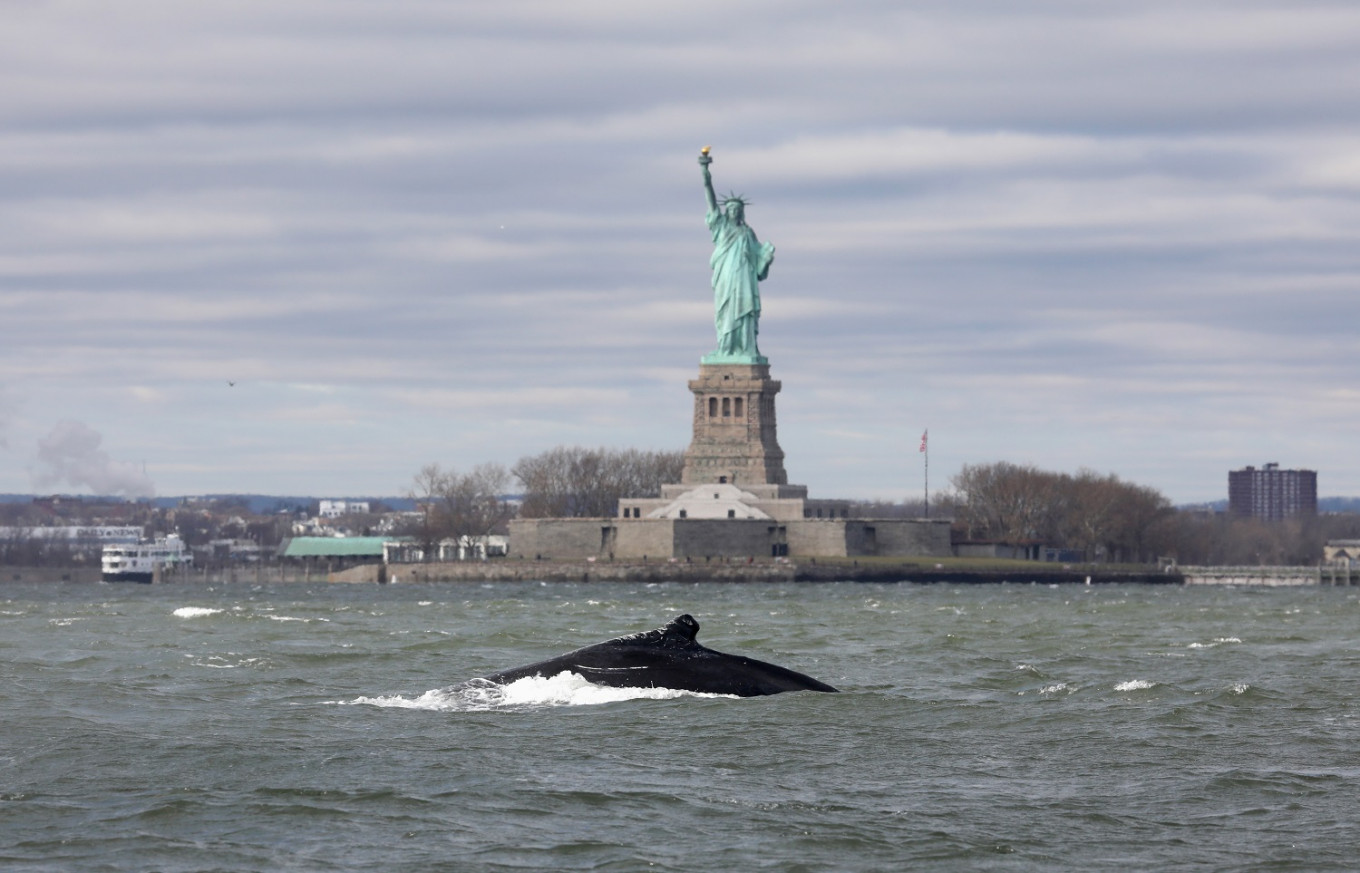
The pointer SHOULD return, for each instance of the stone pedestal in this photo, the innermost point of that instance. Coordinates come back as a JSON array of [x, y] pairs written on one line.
[[734, 428]]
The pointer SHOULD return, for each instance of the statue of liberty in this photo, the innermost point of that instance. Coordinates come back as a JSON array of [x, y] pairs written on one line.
[[740, 262]]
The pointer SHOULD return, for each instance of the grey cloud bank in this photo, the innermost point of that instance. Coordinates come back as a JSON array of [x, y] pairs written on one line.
[[1118, 238]]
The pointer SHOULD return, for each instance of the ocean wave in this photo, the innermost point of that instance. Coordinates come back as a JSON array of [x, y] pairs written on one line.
[[564, 689], [1217, 641], [194, 612], [229, 662]]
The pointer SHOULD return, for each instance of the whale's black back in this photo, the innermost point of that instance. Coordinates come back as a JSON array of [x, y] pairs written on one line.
[[669, 657]]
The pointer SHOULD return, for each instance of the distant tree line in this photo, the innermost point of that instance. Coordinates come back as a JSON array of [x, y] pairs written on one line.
[[563, 482], [1100, 515], [1110, 520], [574, 482], [1220, 539], [21, 548]]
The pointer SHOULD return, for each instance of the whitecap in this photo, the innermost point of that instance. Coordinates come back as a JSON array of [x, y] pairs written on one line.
[[1134, 685], [1049, 690], [564, 689], [1217, 641], [194, 612], [217, 662]]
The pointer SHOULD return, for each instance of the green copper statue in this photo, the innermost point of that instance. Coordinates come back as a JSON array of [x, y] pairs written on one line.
[[739, 262]]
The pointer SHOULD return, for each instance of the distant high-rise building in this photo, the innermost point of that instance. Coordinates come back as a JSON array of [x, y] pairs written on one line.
[[1271, 493]]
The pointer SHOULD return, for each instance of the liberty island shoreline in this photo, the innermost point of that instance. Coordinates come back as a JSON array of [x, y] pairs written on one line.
[[753, 572], [735, 571]]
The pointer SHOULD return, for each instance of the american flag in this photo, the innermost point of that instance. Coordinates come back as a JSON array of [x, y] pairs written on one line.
[[924, 435]]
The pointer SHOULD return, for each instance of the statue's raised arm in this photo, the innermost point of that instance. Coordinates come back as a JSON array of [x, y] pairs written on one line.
[[704, 161], [739, 262]]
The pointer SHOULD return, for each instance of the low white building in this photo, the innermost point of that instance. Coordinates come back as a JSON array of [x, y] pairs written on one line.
[[337, 508], [406, 551], [1342, 553]]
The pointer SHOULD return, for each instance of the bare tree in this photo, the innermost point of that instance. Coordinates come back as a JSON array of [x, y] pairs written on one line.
[[575, 482], [20, 547], [459, 506], [1207, 538], [1110, 519], [1005, 501], [1100, 515]]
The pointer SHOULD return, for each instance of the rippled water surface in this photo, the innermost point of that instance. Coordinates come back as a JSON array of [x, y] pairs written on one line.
[[1003, 727]]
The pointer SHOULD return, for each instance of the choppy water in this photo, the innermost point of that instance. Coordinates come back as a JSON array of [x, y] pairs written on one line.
[[304, 728]]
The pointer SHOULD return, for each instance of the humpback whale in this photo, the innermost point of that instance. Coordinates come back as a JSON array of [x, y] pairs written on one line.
[[668, 657]]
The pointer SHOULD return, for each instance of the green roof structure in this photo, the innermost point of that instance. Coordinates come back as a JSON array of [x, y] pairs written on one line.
[[335, 547]]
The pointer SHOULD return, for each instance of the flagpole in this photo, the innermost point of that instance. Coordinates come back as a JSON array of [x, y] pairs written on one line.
[[925, 450]]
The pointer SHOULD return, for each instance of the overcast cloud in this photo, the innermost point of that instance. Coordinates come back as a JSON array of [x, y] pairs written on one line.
[[1110, 235]]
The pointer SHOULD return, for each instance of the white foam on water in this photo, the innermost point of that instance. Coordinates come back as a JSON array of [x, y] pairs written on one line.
[[1049, 690], [194, 612], [1217, 641], [564, 689], [218, 662], [1134, 685]]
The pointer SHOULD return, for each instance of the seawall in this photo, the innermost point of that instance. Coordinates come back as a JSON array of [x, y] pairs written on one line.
[[764, 571], [836, 570]]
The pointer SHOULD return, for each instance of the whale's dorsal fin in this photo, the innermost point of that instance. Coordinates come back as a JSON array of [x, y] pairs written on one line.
[[683, 626], [676, 633]]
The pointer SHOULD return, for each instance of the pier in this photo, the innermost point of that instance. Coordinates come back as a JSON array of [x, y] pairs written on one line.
[[1271, 577]]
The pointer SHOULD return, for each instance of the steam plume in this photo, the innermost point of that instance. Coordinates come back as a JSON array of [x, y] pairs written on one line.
[[71, 454]]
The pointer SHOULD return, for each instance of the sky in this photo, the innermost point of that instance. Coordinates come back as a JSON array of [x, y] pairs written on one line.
[[311, 247]]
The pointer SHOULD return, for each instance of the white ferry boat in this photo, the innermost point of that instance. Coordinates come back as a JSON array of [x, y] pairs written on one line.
[[140, 562]]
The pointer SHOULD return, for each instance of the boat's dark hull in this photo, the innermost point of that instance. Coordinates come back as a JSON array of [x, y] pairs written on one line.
[[144, 578]]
